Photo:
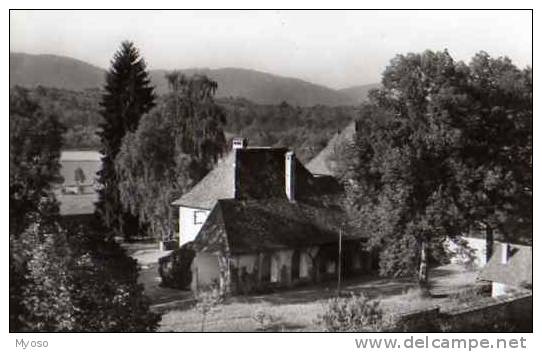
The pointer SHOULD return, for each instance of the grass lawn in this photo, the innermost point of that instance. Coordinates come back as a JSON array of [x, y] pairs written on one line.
[[297, 310]]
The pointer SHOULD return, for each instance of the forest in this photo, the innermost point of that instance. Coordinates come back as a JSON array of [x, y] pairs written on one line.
[[305, 129]]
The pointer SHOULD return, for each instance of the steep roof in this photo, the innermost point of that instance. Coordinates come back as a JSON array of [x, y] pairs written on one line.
[[322, 164], [260, 175], [237, 226], [516, 272], [217, 184]]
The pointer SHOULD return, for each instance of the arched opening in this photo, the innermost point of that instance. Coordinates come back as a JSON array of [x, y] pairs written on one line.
[[295, 264], [266, 268]]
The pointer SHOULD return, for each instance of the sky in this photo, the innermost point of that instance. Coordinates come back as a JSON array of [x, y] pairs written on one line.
[[337, 49]]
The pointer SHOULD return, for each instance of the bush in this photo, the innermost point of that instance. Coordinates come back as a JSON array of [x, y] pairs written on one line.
[[353, 314], [76, 280], [174, 269]]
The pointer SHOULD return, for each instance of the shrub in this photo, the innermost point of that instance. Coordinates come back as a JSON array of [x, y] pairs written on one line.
[[355, 313], [174, 269]]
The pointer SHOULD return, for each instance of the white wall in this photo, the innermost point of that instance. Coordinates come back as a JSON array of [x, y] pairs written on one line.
[[204, 270], [278, 260], [249, 261], [188, 230], [305, 265], [498, 289], [305, 261]]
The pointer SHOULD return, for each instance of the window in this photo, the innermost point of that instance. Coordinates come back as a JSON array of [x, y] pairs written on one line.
[[199, 217]]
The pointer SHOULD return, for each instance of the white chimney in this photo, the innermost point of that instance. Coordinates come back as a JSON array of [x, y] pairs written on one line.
[[239, 143], [505, 251], [289, 173]]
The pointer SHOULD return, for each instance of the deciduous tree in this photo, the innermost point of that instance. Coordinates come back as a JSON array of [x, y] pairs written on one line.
[[443, 148], [400, 178], [175, 145]]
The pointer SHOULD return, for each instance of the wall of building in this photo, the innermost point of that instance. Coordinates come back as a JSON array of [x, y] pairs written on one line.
[[306, 263], [246, 271], [190, 222], [281, 266], [205, 271]]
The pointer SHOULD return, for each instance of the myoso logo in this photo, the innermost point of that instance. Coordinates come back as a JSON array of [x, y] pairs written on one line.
[[24, 344]]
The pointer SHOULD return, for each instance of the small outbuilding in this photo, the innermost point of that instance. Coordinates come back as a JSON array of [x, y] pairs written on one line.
[[509, 269]]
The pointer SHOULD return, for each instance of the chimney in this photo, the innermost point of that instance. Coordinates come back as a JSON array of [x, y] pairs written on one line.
[[289, 173], [239, 143], [505, 252], [236, 171]]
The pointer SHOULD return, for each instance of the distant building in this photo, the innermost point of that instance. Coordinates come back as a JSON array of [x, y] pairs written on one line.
[[88, 163], [261, 219], [324, 164], [77, 199]]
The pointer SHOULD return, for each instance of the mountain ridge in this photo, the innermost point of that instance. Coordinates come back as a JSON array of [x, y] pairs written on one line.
[[260, 87]]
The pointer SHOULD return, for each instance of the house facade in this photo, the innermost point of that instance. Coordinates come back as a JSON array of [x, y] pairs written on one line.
[[260, 219]]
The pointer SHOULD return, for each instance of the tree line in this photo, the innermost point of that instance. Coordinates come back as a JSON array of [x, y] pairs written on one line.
[[306, 129]]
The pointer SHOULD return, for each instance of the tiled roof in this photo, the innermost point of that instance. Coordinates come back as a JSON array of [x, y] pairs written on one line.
[[516, 272], [322, 163], [237, 226]]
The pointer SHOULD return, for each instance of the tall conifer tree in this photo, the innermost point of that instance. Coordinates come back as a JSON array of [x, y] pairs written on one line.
[[128, 95]]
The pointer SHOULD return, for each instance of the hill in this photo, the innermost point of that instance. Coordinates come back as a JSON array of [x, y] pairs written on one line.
[[53, 71], [357, 94], [262, 88], [259, 87]]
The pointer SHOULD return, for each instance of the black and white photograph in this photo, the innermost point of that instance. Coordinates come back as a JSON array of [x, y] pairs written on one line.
[[271, 171]]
